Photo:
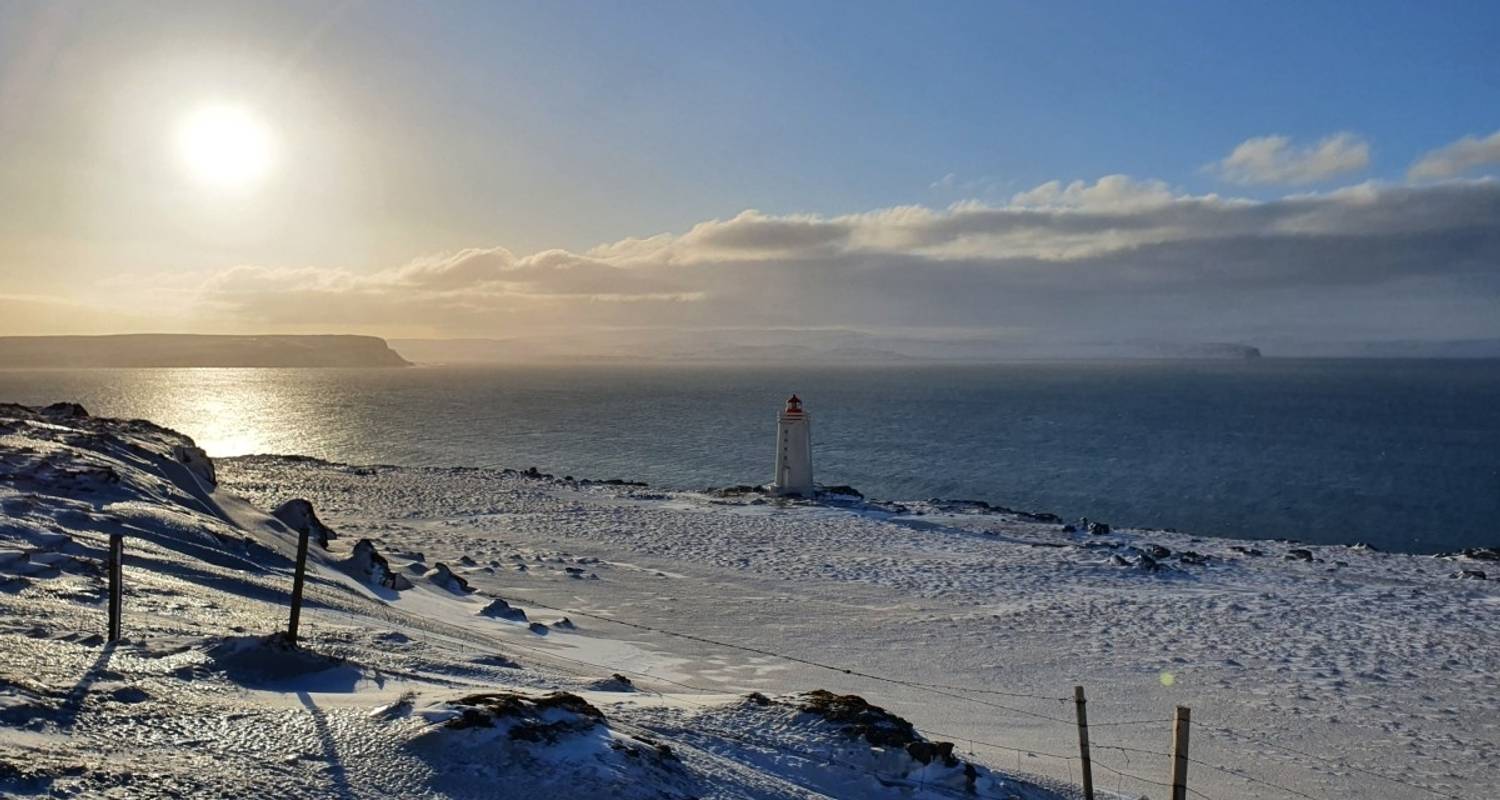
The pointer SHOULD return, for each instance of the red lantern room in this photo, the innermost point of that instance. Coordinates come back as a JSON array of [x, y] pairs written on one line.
[[794, 405]]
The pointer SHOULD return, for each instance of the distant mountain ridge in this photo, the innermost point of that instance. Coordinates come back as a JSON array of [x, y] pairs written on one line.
[[197, 350]]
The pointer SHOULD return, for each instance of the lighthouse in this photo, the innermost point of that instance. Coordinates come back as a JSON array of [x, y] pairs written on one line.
[[793, 451]]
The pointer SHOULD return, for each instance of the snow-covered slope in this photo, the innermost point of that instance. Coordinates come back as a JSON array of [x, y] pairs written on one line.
[[1330, 671], [409, 679]]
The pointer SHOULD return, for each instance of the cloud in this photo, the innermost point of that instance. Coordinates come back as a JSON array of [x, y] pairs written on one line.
[[1115, 257], [1112, 192], [1457, 158], [1275, 160]]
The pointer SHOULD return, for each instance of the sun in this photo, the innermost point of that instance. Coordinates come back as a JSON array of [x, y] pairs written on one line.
[[225, 146]]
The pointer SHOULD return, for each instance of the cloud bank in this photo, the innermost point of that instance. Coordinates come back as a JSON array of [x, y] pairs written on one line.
[[1275, 160], [1116, 257]]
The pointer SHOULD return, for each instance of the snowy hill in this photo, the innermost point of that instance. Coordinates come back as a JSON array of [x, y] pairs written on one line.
[[411, 678]]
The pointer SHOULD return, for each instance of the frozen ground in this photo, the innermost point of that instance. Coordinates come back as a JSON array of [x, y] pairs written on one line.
[[406, 683], [1346, 673]]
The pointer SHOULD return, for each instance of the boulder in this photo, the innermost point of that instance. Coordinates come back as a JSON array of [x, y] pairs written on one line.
[[65, 411], [1298, 554], [444, 578], [368, 564], [499, 609], [298, 515], [197, 463]]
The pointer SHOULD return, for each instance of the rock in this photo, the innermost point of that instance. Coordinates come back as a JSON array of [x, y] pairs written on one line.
[[443, 577], [927, 752], [1156, 551], [537, 627], [1191, 557], [614, 683], [1368, 548], [1098, 528], [564, 624], [1471, 574], [1249, 551], [298, 515], [369, 564], [1483, 553], [875, 725], [1118, 560], [197, 462], [1069, 529], [500, 609], [129, 694], [466, 561], [844, 491], [1147, 564], [531, 719], [65, 411], [1298, 554], [860, 719]]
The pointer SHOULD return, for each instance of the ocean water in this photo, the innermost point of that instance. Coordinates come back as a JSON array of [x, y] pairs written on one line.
[[1401, 454]]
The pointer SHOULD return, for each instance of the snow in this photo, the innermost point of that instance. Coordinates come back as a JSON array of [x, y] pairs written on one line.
[[205, 697], [1353, 674]]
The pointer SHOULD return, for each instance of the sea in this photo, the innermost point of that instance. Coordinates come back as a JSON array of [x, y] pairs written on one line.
[[1402, 455]]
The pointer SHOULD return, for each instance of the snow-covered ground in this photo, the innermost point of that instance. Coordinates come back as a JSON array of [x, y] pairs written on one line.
[[687, 634]]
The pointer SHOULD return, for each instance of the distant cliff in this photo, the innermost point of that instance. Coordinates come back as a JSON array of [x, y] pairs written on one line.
[[184, 350]]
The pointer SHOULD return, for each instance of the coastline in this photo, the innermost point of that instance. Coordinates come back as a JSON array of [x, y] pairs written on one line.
[[432, 583]]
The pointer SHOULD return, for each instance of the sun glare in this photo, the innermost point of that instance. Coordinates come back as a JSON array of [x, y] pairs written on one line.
[[224, 146]]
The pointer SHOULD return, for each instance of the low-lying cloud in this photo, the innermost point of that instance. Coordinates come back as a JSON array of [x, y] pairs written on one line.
[[1115, 257]]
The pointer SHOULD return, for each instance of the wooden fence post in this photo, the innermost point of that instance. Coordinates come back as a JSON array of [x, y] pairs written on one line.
[[116, 584], [1180, 753], [291, 630], [1083, 744]]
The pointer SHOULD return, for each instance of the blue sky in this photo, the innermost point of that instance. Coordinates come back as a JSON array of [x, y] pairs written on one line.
[[837, 107], [405, 134]]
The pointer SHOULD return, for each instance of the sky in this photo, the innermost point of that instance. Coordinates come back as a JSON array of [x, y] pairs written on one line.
[[1264, 173]]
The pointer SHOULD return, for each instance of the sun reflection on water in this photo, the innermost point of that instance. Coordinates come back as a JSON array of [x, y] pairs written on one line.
[[228, 412]]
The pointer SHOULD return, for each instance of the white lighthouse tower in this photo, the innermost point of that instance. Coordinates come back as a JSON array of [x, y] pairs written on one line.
[[793, 451]]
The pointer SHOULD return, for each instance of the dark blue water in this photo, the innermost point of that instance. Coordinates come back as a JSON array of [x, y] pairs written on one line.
[[1401, 454]]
